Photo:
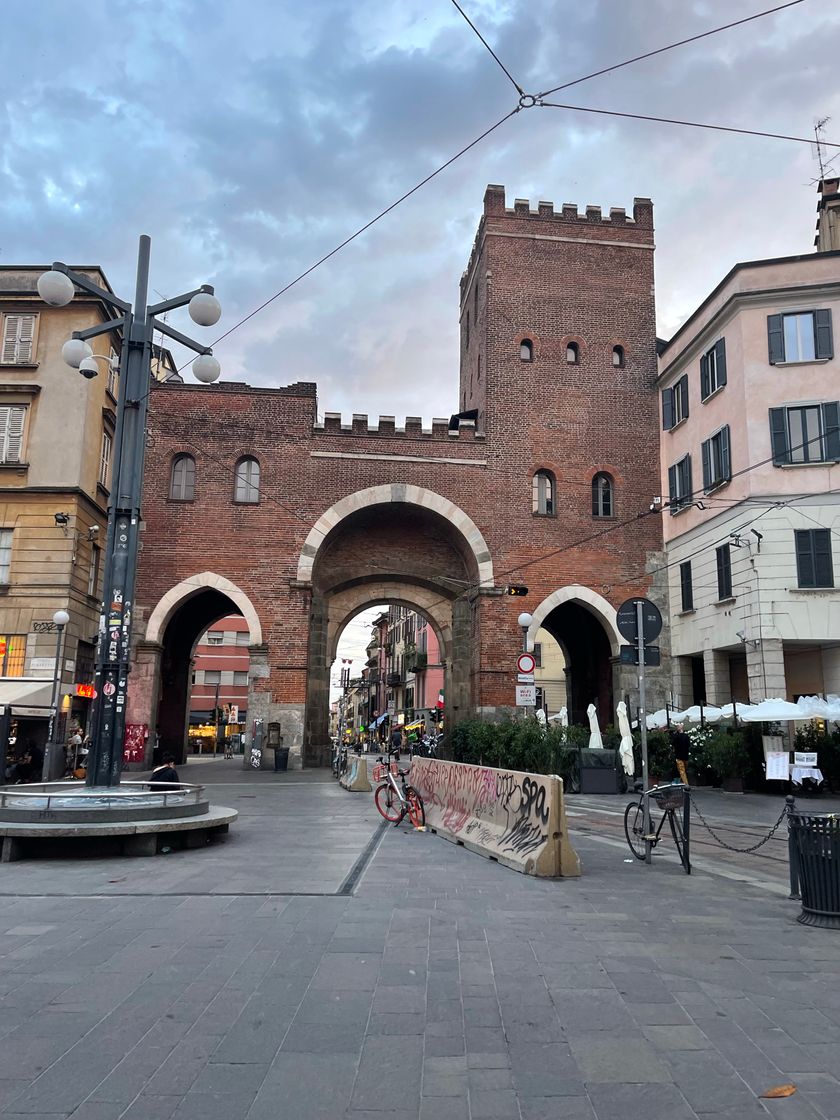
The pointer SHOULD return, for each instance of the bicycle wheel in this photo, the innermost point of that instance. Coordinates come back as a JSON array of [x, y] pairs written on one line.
[[679, 840], [634, 829], [387, 802], [416, 810]]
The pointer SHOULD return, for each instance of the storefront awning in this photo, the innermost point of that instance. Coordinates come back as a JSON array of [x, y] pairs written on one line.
[[25, 696]]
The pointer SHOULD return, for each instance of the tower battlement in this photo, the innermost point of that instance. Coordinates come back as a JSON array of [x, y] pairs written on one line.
[[567, 221], [386, 427]]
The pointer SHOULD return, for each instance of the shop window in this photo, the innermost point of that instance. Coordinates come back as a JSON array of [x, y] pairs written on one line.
[[12, 655]]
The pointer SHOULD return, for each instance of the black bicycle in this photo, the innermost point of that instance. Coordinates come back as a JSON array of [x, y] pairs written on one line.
[[671, 800]]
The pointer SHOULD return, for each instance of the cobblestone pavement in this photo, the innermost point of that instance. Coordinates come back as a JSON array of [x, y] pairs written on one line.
[[438, 986]]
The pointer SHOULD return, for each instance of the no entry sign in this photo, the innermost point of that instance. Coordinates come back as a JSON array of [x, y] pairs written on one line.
[[526, 663]]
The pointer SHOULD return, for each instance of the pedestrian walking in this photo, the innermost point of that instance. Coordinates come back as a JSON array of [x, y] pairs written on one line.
[[680, 744]]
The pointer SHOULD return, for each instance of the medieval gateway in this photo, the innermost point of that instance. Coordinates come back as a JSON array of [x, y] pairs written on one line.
[[544, 476]]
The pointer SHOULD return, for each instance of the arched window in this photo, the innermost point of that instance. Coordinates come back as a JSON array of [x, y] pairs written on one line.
[[572, 353], [542, 501], [603, 504], [182, 482], [526, 350], [618, 356], [247, 481]]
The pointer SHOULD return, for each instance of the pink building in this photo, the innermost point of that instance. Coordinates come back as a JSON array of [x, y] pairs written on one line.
[[221, 671]]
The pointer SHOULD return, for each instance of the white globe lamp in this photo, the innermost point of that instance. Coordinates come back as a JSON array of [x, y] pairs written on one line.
[[61, 618], [55, 288], [74, 351], [525, 620], [205, 309], [206, 369]]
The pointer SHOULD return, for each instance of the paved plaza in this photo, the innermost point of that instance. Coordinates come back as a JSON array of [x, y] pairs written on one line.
[[318, 965]]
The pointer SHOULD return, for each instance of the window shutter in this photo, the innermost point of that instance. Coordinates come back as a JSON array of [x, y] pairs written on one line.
[[688, 491], [672, 486], [775, 339], [720, 358], [823, 572], [683, 388], [13, 442], [10, 333], [26, 335], [822, 333], [725, 456], [667, 409], [706, 448], [779, 435], [804, 558], [685, 586], [831, 429], [704, 377]]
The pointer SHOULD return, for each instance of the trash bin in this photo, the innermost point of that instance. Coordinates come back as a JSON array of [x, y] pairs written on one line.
[[598, 770], [281, 758], [817, 843]]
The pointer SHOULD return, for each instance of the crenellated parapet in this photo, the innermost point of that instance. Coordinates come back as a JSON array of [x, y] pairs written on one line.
[[386, 427], [567, 220]]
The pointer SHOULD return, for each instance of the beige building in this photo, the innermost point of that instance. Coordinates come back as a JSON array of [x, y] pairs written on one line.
[[550, 673], [56, 445], [750, 458]]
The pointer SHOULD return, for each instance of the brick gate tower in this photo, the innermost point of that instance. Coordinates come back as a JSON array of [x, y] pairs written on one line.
[[544, 476]]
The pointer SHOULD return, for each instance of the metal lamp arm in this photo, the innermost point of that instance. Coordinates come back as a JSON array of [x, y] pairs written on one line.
[[103, 328], [89, 286], [164, 328], [179, 301]]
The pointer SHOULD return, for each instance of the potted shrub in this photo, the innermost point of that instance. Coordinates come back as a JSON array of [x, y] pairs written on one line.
[[727, 755]]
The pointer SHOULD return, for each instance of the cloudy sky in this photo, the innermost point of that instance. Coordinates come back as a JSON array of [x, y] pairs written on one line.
[[250, 138]]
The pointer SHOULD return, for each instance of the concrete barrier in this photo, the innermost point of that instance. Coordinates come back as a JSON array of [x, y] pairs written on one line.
[[516, 818], [355, 777]]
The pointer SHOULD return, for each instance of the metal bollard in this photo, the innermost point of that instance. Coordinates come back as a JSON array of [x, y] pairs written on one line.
[[793, 853]]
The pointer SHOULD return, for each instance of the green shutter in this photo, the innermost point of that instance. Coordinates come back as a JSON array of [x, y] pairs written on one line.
[[667, 409], [706, 449], [831, 429], [725, 455], [779, 436], [704, 377], [775, 339], [720, 352], [672, 487], [823, 570], [804, 558], [822, 333], [682, 386]]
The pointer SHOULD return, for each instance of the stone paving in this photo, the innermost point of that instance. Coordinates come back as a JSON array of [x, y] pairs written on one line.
[[444, 988]]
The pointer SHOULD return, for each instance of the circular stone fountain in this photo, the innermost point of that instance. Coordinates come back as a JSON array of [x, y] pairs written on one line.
[[141, 814]]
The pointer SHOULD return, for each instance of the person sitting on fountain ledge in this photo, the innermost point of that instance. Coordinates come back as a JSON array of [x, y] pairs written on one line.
[[166, 776]]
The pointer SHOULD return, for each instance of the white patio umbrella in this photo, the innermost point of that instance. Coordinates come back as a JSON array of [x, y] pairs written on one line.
[[562, 717], [709, 713], [772, 710], [541, 717], [595, 739], [625, 747], [740, 710], [656, 720]]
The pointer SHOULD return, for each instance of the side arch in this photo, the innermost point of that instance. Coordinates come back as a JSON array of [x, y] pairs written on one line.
[[386, 495], [191, 586], [596, 604]]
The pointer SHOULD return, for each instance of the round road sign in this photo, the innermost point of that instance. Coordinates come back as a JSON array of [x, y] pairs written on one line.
[[625, 620], [526, 663]]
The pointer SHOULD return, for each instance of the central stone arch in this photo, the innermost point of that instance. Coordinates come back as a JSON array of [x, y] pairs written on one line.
[[387, 544]]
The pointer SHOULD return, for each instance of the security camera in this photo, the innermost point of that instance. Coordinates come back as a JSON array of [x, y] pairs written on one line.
[[93, 531], [61, 518], [88, 368], [656, 503], [741, 634]]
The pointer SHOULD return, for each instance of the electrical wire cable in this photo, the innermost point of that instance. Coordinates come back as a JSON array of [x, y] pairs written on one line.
[[685, 124], [669, 47], [504, 68]]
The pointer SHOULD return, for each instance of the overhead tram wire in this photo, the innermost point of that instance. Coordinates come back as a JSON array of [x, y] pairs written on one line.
[[532, 101], [502, 66], [685, 124], [669, 47]]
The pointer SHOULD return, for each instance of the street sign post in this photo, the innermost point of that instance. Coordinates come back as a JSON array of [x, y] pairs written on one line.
[[631, 622], [629, 655], [526, 696], [640, 653]]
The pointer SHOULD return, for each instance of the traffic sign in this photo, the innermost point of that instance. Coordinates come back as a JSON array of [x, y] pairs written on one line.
[[526, 696], [625, 620], [525, 678], [526, 663], [629, 655]]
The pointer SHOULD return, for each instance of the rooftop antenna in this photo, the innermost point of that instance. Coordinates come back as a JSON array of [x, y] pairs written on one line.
[[818, 149]]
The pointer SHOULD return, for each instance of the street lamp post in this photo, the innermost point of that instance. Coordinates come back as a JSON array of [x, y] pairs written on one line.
[[137, 324], [55, 748]]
